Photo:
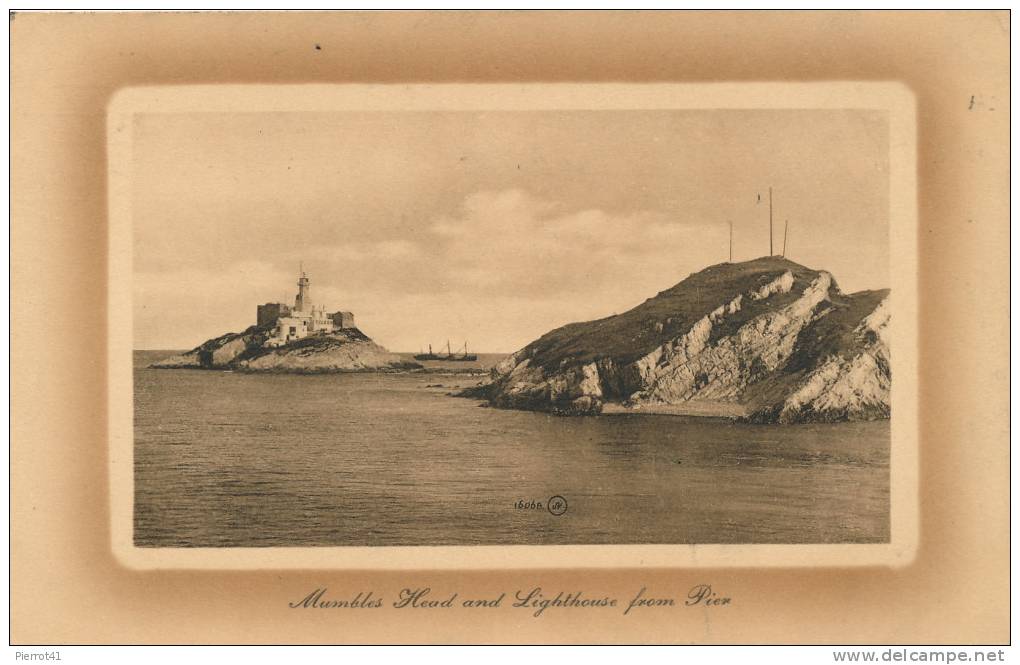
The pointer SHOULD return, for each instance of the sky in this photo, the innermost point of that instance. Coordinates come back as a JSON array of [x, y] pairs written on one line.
[[489, 228]]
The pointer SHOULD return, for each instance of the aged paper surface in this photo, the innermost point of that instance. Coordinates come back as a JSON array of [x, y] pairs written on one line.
[[895, 105], [72, 534]]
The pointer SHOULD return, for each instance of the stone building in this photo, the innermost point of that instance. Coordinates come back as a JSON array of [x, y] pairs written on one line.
[[270, 312], [304, 319], [342, 319]]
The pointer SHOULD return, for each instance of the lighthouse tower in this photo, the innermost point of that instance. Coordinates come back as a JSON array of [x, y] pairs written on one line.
[[304, 299]]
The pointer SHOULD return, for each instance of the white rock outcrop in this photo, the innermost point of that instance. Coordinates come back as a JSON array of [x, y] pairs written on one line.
[[845, 388]]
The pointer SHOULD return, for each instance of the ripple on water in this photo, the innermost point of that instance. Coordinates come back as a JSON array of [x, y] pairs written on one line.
[[242, 460]]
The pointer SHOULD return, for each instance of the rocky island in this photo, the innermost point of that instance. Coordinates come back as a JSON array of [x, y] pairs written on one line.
[[300, 339], [766, 340]]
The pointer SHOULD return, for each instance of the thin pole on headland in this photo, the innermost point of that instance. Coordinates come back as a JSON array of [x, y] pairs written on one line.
[[786, 230], [770, 221], [731, 241]]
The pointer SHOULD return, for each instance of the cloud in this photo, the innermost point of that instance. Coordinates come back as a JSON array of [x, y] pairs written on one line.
[[510, 242], [500, 270]]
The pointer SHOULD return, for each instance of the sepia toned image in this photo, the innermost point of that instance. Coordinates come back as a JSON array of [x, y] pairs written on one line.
[[523, 326], [500, 327]]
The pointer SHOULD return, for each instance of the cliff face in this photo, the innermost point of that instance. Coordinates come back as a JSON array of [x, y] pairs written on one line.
[[767, 339], [347, 350]]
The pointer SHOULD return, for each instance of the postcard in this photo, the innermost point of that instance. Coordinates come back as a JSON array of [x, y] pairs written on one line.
[[668, 376], [475, 327]]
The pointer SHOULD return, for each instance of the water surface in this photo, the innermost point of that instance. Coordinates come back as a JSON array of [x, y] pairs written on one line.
[[225, 459]]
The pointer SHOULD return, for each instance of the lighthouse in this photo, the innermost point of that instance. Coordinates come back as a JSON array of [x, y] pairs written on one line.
[[288, 325], [303, 298]]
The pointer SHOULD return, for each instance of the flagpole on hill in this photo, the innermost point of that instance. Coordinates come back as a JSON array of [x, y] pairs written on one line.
[[770, 221]]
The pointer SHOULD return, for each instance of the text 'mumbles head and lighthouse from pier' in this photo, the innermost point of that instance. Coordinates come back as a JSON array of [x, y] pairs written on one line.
[[303, 319]]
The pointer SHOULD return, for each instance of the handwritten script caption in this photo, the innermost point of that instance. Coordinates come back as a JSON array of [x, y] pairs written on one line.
[[536, 600]]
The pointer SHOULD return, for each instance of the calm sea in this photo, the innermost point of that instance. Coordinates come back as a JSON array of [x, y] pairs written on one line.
[[257, 460]]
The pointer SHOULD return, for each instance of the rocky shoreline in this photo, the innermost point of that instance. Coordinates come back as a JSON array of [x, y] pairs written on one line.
[[764, 341], [347, 350]]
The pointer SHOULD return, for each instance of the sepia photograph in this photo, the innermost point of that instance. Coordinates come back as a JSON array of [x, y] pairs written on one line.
[[465, 327], [522, 326]]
